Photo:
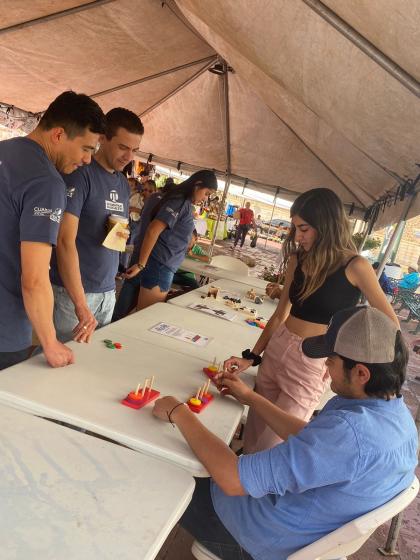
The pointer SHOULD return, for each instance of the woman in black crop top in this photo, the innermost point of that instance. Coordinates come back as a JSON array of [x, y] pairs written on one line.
[[323, 274]]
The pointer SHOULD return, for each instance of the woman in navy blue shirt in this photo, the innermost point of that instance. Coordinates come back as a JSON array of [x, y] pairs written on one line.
[[166, 227]]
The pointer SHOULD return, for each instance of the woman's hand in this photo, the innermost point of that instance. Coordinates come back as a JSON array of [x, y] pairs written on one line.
[[230, 384], [131, 272], [273, 290], [236, 365]]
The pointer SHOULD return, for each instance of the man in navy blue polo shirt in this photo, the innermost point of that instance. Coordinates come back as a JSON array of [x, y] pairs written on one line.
[[328, 471], [32, 200], [83, 270]]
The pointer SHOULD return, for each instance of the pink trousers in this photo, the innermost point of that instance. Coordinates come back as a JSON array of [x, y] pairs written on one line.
[[289, 379]]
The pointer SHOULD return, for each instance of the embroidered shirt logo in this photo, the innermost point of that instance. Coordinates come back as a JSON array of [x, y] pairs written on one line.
[[56, 215], [113, 195], [70, 192], [172, 212]]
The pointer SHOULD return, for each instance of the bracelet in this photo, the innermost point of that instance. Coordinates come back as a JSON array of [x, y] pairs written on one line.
[[248, 355], [140, 266], [168, 414]]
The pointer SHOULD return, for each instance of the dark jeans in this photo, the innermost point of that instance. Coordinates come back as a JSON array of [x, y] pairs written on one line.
[[202, 522], [8, 359], [241, 232], [127, 299]]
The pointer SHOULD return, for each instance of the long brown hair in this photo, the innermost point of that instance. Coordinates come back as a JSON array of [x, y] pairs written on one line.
[[324, 211]]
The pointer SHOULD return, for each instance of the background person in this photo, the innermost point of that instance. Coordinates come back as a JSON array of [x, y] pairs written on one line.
[[411, 280], [32, 200], [165, 232], [184, 277], [246, 221], [323, 274], [267, 505], [83, 273]]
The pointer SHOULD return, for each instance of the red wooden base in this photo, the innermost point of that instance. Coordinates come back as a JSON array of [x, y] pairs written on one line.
[[203, 405], [148, 396]]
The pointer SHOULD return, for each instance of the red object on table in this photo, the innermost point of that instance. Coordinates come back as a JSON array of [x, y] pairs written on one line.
[[202, 406], [134, 402]]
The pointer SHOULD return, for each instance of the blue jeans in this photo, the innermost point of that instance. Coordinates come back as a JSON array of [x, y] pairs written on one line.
[[203, 523], [155, 274], [65, 319]]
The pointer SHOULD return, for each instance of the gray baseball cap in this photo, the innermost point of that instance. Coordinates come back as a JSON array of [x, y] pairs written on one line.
[[363, 334]]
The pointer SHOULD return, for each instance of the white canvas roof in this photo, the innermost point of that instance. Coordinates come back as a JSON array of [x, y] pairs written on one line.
[[313, 100]]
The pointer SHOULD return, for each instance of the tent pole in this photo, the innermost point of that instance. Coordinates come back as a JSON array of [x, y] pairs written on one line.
[[228, 156], [271, 218], [401, 222], [364, 45]]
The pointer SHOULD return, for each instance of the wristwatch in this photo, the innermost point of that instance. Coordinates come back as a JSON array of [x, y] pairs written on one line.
[[140, 266]]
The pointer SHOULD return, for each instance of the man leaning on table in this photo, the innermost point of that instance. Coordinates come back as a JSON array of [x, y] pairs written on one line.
[[83, 270], [328, 471], [32, 200]]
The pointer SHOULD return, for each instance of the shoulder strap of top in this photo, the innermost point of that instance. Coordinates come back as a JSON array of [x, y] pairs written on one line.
[[349, 261]]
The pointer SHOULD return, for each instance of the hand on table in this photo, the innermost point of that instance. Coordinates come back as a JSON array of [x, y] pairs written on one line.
[[236, 365], [83, 331], [273, 290], [230, 384], [58, 355], [164, 406]]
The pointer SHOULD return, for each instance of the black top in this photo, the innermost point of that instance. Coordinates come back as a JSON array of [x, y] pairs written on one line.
[[336, 293]]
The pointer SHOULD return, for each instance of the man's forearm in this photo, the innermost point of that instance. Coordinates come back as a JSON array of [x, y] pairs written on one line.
[[282, 423], [68, 267], [219, 460], [39, 302]]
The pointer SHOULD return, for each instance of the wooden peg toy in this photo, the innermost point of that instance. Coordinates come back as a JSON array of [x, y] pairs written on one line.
[[139, 398]]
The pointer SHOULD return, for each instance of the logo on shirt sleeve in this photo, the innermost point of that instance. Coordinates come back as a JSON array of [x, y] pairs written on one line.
[[56, 215], [70, 192], [41, 211], [113, 204], [172, 212]]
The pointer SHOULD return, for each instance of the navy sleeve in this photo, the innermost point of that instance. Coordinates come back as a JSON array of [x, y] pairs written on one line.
[[78, 187], [170, 212], [41, 206], [325, 452]]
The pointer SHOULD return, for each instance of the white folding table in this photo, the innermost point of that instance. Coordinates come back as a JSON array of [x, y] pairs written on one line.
[[216, 272], [227, 338], [88, 395], [70, 496], [233, 289]]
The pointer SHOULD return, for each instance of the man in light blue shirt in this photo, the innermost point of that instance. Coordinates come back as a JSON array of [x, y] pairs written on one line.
[[356, 455]]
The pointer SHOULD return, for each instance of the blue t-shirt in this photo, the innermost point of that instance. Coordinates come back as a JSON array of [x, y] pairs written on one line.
[[355, 456], [171, 246], [32, 199], [93, 194], [410, 281]]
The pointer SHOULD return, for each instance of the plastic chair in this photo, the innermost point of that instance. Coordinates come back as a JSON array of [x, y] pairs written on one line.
[[345, 540], [230, 263], [351, 536]]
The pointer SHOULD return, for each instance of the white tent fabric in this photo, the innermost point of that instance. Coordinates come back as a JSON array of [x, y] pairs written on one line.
[[307, 107]]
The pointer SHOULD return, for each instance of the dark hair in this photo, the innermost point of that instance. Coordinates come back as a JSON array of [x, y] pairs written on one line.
[[375, 265], [122, 118], [385, 380], [194, 233], [75, 112], [202, 179]]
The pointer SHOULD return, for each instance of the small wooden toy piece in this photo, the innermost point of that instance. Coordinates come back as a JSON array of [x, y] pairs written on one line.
[[212, 291], [138, 399], [201, 399], [251, 294], [211, 370], [109, 344]]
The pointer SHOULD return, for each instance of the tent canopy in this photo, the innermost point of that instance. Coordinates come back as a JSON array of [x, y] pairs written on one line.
[[321, 94]]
